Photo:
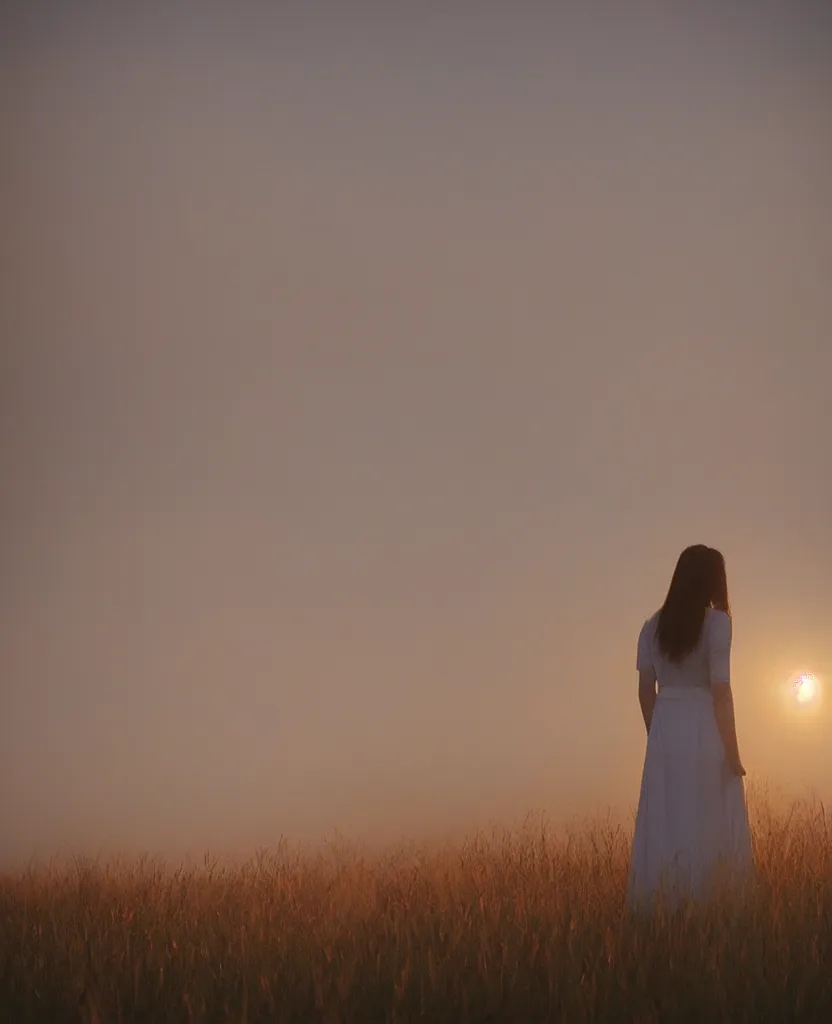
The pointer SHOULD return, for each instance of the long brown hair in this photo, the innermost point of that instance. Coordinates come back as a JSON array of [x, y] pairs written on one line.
[[699, 583]]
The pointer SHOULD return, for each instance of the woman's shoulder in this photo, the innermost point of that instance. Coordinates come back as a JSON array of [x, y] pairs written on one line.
[[719, 623], [647, 644], [649, 625]]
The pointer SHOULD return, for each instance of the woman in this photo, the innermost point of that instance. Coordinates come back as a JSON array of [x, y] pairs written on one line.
[[691, 814]]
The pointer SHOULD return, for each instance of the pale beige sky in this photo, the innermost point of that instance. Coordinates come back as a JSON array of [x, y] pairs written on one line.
[[363, 378]]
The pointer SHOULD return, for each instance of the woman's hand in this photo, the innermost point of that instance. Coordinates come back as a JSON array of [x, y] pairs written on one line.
[[735, 768]]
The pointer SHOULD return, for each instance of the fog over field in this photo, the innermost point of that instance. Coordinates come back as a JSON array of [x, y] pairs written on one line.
[[362, 375]]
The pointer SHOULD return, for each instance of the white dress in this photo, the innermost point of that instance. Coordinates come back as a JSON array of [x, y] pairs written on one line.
[[692, 814]]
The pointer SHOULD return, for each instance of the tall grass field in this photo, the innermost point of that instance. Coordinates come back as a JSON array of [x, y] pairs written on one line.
[[523, 925]]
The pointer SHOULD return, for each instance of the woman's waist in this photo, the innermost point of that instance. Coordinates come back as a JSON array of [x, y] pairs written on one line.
[[676, 692]]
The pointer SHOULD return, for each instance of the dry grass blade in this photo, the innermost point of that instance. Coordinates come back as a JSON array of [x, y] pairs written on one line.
[[524, 925]]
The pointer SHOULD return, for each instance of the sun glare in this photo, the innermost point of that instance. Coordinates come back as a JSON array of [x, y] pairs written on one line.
[[805, 689]]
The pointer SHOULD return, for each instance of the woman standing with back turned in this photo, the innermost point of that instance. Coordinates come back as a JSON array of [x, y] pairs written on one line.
[[691, 814]]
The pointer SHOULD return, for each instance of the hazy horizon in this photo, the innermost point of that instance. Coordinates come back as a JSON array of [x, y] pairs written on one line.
[[363, 376]]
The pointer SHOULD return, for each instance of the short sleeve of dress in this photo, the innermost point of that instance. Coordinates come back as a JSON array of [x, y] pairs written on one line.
[[720, 633], [644, 654]]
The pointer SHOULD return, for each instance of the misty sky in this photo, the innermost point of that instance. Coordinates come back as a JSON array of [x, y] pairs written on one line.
[[363, 376]]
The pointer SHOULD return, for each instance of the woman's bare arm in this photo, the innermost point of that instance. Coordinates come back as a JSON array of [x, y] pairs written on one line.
[[720, 635], [726, 723], [647, 695]]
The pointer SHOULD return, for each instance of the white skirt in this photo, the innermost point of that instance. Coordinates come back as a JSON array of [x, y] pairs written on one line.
[[692, 817]]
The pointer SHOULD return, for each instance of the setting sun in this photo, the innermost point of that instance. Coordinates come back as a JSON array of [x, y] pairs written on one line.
[[806, 689]]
